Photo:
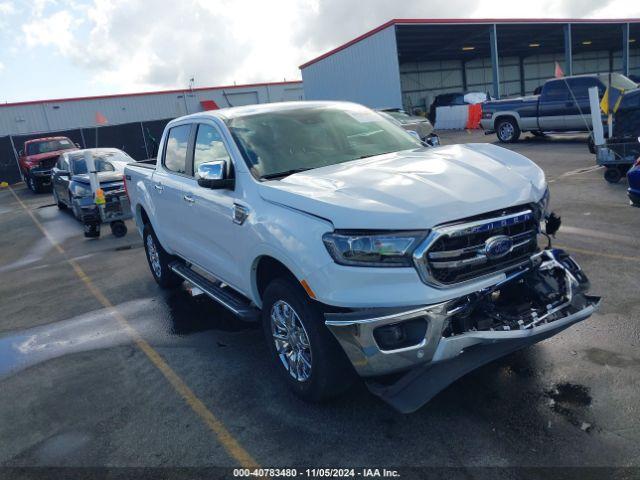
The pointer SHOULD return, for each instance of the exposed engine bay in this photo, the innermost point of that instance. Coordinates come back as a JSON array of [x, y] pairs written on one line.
[[538, 293]]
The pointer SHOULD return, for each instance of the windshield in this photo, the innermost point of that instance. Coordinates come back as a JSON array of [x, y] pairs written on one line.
[[47, 146], [104, 162], [403, 117], [303, 138]]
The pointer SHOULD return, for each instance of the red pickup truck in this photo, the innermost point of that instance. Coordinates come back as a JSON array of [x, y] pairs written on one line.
[[38, 158]]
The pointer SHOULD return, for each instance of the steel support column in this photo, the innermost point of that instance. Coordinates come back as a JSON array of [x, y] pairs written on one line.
[[521, 72], [568, 51], [493, 38], [625, 49]]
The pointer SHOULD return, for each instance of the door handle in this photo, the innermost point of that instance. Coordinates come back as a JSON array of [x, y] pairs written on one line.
[[159, 187], [188, 198]]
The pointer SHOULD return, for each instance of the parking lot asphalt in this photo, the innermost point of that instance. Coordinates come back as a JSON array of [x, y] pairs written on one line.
[[85, 385]]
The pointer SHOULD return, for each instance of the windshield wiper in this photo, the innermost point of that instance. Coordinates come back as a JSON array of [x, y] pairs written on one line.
[[286, 173], [375, 154]]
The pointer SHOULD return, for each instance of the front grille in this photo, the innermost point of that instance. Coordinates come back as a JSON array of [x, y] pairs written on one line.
[[48, 163], [456, 253]]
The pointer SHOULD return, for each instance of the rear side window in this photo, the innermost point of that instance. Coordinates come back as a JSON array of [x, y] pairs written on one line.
[[580, 86], [209, 147], [175, 153], [556, 90]]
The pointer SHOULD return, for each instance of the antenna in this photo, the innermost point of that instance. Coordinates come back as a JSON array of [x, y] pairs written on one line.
[[192, 80]]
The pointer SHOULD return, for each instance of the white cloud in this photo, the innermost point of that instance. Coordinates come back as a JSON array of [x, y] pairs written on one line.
[[139, 44], [1, 67], [54, 30]]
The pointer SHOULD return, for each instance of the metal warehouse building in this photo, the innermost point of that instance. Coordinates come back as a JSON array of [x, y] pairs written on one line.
[[407, 62], [134, 122]]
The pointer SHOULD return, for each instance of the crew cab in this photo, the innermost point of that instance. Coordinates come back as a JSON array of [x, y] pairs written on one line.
[[38, 157], [562, 106], [360, 249]]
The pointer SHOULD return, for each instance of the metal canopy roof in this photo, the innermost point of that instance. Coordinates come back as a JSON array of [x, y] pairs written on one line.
[[435, 39], [466, 42]]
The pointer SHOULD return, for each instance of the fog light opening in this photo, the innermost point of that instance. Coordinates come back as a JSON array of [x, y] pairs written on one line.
[[401, 335]]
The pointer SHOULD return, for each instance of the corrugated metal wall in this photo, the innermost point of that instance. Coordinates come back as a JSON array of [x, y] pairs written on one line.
[[367, 72], [422, 81], [50, 116]]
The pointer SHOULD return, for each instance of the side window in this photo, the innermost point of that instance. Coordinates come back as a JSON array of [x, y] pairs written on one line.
[[556, 90], [175, 154], [580, 86], [209, 147]]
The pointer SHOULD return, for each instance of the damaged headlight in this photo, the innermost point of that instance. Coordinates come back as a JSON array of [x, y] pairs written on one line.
[[385, 249], [81, 191], [543, 204]]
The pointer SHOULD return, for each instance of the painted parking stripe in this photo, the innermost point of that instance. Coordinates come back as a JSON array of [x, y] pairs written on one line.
[[576, 172], [230, 444]]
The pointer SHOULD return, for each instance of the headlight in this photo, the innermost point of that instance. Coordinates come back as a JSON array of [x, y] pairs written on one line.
[[543, 204], [80, 191], [388, 249]]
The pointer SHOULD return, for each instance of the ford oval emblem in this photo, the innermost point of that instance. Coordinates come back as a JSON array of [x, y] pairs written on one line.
[[498, 246]]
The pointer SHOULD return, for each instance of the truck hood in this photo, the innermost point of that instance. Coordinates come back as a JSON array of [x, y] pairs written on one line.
[[103, 177], [45, 156], [416, 189]]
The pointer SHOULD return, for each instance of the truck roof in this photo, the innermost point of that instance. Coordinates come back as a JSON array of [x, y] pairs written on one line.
[[234, 112], [46, 139]]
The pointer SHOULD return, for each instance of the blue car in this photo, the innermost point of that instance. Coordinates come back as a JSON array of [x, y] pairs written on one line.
[[633, 175]]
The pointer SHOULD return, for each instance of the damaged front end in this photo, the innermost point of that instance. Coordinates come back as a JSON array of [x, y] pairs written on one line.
[[427, 348]]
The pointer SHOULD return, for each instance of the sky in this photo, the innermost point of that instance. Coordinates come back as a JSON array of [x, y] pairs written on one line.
[[70, 48]]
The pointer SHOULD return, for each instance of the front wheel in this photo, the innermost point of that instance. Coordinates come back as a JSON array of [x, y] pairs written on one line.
[[61, 205], [33, 184], [159, 260], [308, 357], [508, 130]]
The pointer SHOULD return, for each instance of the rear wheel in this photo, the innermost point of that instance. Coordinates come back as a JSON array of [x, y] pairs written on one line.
[[308, 357], [159, 260], [508, 130], [612, 174]]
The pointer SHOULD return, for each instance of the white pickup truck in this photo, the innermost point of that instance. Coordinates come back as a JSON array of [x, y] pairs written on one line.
[[359, 248]]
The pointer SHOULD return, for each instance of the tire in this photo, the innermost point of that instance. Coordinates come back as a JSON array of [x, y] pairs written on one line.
[[61, 205], [591, 144], [33, 184], [326, 373], [612, 174], [118, 228], [159, 260], [507, 130]]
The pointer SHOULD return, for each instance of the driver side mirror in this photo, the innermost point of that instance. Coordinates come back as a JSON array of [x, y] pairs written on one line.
[[213, 175]]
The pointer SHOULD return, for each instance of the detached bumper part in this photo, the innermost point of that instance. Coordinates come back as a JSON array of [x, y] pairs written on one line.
[[461, 335]]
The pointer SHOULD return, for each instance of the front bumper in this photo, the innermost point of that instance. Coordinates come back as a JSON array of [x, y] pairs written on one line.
[[434, 361]]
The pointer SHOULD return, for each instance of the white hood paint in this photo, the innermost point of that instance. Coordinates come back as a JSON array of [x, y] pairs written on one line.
[[410, 190]]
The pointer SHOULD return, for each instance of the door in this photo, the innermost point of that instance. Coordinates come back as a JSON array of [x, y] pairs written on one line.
[[214, 239], [60, 179], [578, 114], [167, 189], [553, 103]]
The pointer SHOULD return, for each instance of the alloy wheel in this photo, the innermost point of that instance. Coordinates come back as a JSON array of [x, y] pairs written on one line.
[[154, 258], [291, 341]]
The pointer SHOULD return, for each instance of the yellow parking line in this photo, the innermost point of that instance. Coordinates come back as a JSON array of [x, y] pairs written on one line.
[[231, 445], [598, 254]]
